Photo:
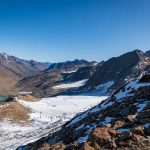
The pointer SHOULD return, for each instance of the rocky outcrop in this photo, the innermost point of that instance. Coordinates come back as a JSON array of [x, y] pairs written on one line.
[[102, 138]]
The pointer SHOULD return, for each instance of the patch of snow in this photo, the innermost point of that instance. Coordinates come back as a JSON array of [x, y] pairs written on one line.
[[83, 139], [67, 72], [141, 106], [78, 118], [95, 64], [142, 74], [107, 120], [147, 125], [23, 92], [96, 109], [106, 104], [70, 85], [122, 130], [134, 85], [83, 115], [80, 127], [5, 55], [100, 90]]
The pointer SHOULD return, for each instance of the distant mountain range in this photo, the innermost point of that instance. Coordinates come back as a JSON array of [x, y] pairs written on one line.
[[21, 75], [15, 74], [41, 84], [70, 65]]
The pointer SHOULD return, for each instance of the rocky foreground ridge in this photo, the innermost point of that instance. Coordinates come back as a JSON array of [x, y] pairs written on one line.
[[121, 122]]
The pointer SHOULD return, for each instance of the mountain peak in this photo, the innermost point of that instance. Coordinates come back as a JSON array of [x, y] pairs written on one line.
[[5, 55]]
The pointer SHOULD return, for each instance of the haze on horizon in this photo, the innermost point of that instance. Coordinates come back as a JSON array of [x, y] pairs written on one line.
[[60, 30]]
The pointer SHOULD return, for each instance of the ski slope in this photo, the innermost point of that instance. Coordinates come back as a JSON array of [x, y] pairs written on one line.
[[60, 108], [48, 113]]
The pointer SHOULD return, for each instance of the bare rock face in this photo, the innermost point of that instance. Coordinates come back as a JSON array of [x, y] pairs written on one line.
[[147, 129], [102, 134], [102, 137]]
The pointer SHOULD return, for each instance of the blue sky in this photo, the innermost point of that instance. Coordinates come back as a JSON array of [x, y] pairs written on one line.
[[59, 30]]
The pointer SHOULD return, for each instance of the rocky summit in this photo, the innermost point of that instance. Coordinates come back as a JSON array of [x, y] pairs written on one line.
[[121, 122]]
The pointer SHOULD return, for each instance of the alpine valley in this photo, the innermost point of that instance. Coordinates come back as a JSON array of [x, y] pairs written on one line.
[[75, 105]]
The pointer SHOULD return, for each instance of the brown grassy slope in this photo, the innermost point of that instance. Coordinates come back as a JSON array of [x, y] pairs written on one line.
[[28, 98], [14, 111], [7, 81]]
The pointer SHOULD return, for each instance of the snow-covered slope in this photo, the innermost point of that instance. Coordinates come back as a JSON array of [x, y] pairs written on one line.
[[127, 90], [47, 114], [50, 110], [13, 134], [100, 90], [70, 85]]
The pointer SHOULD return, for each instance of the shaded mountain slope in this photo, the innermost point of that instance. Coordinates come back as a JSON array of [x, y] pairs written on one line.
[[120, 69], [40, 84], [82, 73], [70, 65]]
